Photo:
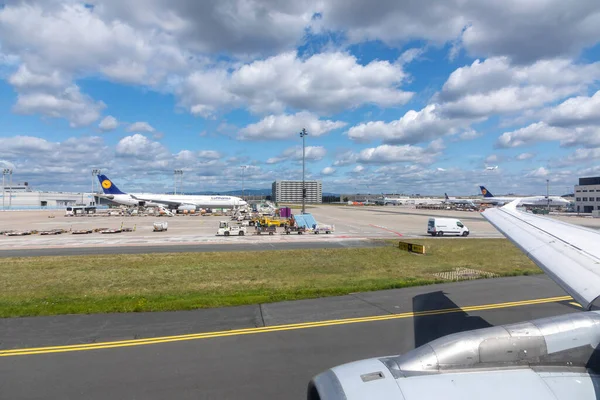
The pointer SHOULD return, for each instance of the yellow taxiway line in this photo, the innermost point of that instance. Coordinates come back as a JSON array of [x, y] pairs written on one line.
[[275, 328]]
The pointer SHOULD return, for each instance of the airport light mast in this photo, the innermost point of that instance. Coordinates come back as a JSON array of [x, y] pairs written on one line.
[[243, 172], [95, 173], [178, 175], [303, 135], [6, 171]]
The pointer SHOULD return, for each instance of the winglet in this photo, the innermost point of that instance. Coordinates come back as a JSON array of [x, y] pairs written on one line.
[[512, 206]]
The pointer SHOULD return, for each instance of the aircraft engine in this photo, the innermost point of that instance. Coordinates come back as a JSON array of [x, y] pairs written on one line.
[[186, 207]]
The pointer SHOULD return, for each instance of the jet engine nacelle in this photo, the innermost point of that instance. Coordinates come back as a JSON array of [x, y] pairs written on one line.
[[186, 207]]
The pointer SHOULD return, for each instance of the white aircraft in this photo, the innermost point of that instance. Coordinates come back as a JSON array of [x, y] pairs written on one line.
[[550, 358], [179, 202], [391, 200], [555, 201], [454, 200], [491, 168]]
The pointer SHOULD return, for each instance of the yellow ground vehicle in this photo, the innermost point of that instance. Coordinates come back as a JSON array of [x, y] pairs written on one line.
[[269, 221]]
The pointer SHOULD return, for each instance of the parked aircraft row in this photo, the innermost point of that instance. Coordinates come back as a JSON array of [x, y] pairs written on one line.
[[488, 198], [172, 201]]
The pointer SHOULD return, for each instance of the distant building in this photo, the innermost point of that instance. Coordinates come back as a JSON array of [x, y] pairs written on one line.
[[21, 196], [291, 191], [587, 195]]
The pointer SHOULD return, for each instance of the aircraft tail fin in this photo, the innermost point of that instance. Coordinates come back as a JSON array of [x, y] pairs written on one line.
[[446, 196], [485, 192], [108, 186]]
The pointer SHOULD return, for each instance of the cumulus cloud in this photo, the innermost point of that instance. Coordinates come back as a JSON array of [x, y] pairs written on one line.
[[288, 126], [495, 86], [209, 154], [542, 132], [512, 28], [524, 156], [312, 153], [576, 111], [140, 147], [323, 83], [406, 153], [492, 158], [540, 172], [328, 171], [108, 123], [413, 127], [70, 103], [140, 126]]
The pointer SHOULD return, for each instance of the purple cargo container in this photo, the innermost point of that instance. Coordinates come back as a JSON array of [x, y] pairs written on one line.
[[285, 212]]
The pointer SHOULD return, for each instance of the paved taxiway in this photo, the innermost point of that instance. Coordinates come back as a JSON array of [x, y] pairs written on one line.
[[255, 353]]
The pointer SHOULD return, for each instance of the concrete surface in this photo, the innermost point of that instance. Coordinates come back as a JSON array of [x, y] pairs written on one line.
[[272, 364]]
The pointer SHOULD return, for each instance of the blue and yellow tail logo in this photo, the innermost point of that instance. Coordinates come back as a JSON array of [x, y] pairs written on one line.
[[485, 192], [107, 186]]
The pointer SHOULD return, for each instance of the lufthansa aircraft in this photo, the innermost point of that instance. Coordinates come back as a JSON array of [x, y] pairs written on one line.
[[550, 358], [177, 201], [488, 197]]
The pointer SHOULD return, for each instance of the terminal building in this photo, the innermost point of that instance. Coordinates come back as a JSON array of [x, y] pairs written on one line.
[[587, 195], [291, 191], [22, 197]]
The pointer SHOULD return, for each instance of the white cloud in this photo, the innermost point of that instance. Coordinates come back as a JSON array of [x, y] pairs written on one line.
[[323, 83], [209, 154], [495, 86], [413, 127], [522, 30], [492, 158], [524, 156], [470, 134], [358, 169], [140, 126], [328, 171], [140, 147], [312, 153], [108, 123], [576, 111], [390, 154], [540, 172], [345, 158], [70, 103], [580, 156], [542, 132], [288, 126]]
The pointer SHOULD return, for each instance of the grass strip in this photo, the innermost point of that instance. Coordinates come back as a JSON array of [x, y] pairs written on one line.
[[181, 281]]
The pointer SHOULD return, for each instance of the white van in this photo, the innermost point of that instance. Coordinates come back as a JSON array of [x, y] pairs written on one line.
[[446, 226]]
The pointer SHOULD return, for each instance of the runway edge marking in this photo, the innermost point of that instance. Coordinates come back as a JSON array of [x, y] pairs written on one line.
[[275, 328]]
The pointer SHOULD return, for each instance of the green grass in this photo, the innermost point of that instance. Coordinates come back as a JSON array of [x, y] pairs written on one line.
[[181, 281]]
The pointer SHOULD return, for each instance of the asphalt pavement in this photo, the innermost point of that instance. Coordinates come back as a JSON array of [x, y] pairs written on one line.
[[187, 248], [251, 352]]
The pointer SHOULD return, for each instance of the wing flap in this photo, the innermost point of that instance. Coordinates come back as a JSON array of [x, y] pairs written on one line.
[[569, 254]]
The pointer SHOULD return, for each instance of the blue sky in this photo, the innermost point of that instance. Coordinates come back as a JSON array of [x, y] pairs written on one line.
[[395, 97]]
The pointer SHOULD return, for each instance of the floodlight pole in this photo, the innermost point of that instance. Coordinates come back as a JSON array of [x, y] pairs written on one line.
[[303, 135], [243, 172], [10, 172]]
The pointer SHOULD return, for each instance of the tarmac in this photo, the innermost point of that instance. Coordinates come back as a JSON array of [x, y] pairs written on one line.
[[250, 352], [352, 225]]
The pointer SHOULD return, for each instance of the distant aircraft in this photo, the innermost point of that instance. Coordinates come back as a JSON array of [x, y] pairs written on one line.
[[556, 201], [178, 201], [453, 200], [547, 358], [391, 200], [491, 168]]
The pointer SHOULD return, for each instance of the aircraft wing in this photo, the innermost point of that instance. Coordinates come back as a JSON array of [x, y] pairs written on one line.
[[569, 254]]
